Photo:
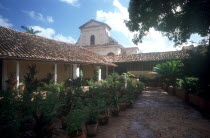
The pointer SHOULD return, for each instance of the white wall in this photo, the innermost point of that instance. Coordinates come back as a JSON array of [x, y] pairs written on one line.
[[100, 32], [132, 50], [104, 50]]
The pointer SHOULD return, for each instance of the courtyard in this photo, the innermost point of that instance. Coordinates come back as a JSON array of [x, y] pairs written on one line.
[[157, 115]]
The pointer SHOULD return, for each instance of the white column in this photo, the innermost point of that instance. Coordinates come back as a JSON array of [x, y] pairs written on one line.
[[4, 74], [18, 73], [75, 71], [99, 73], [56, 73], [107, 71]]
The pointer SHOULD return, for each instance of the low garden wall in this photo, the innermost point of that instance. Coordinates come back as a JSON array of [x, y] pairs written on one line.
[[197, 101]]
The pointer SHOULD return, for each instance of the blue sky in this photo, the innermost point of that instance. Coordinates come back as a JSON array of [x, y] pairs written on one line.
[[61, 19]]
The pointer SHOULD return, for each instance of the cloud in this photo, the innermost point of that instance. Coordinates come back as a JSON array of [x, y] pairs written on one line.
[[71, 2], [51, 33], [153, 42], [5, 22], [39, 17]]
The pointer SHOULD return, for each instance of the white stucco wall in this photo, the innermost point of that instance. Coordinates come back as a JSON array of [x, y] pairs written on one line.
[[104, 50], [132, 50], [101, 34]]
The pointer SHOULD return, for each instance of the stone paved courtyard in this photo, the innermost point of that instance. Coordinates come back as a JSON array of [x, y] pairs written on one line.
[[157, 115]]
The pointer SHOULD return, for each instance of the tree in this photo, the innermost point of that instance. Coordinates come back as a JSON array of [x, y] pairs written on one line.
[[177, 19], [30, 30]]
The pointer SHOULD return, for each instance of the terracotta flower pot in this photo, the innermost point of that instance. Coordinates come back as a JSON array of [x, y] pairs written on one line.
[[122, 106], [202, 103], [91, 129], [63, 122], [103, 119], [81, 134], [181, 93], [170, 90], [21, 88], [194, 100], [129, 103], [208, 106]]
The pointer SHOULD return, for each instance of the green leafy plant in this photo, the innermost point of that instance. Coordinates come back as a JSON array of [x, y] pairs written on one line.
[[30, 80], [169, 71], [10, 114], [48, 79], [191, 85], [75, 119], [95, 75], [11, 82]]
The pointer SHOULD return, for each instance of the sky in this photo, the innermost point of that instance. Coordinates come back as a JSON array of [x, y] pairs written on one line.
[[61, 19]]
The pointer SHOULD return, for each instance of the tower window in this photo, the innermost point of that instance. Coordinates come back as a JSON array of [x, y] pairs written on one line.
[[92, 40], [110, 54]]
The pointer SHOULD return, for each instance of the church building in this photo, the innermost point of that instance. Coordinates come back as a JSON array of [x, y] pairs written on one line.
[[96, 37]]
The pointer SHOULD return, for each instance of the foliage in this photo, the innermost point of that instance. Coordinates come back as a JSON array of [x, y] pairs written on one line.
[[177, 19], [35, 111], [143, 79], [44, 110], [48, 79], [81, 74], [116, 81], [95, 75], [30, 30], [51, 87], [92, 114], [196, 66], [190, 84], [30, 80], [11, 82], [74, 82], [9, 117], [75, 119], [169, 71]]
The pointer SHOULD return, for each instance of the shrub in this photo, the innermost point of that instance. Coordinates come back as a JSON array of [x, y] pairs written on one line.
[[10, 114], [73, 82], [191, 84], [75, 119], [51, 87], [11, 82], [30, 80], [169, 71]]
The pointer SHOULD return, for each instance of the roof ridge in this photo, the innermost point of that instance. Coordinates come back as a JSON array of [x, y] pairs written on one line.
[[36, 35]]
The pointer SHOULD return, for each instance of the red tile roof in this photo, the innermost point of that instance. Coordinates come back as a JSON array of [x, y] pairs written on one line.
[[19, 45], [155, 56]]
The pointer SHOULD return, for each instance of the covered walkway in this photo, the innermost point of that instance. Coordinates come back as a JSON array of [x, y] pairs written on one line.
[[157, 115]]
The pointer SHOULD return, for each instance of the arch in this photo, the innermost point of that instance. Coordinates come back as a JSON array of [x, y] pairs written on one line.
[[92, 40], [110, 54]]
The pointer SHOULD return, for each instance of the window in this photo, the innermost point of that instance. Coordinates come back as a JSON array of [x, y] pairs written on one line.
[[110, 54], [92, 40]]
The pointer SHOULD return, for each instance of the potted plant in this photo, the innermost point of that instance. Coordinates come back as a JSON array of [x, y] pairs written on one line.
[[122, 103], [92, 120], [103, 114], [115, 106], [103, 111], [75, 120]]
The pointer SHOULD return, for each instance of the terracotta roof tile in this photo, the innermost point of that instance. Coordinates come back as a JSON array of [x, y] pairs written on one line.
[[155, 56], [19, 45]]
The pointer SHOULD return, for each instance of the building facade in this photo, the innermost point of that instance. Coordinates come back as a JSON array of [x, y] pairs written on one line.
[[95, 36]]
